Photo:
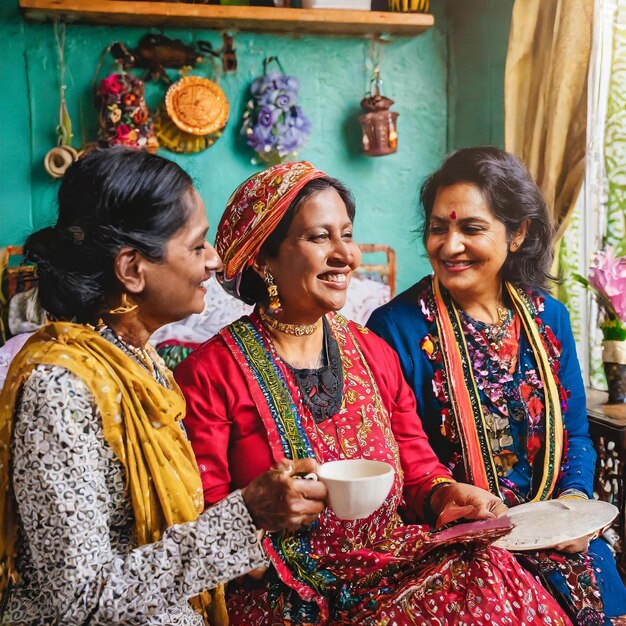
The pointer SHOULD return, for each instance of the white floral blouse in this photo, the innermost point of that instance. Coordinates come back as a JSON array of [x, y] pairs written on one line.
[[77, 558]]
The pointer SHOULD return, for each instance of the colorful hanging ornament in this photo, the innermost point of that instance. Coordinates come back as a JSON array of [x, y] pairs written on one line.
[[124, 117], [157, 53], [378, 125], [192, 116], [59, 158], [274, 126]]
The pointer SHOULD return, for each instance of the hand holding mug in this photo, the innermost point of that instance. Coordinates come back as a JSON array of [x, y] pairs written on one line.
[[277, 500]]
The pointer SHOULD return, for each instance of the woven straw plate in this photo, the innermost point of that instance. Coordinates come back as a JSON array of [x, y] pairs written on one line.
[[197, 105]]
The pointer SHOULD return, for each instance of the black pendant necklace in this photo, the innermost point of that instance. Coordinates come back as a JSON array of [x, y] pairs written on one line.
[[322, 388]]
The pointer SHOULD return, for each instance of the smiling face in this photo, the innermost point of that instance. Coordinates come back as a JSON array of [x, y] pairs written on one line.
[[467, 245], [173, 287], [316, 259]]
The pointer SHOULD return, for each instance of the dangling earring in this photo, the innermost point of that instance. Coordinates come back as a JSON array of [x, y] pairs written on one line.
[[124, 308], [272, 290]]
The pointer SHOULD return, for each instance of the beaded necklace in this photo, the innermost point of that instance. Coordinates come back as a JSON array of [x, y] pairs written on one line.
[[139, 354]]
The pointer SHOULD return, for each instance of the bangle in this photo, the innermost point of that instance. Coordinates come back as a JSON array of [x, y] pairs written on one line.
[[428, 513], [572, 494]]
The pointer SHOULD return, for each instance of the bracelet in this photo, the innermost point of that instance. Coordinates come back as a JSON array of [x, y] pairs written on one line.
[[572, 494], [428, 513]]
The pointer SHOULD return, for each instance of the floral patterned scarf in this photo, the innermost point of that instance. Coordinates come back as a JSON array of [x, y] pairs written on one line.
[[253, 211], [466, 405]]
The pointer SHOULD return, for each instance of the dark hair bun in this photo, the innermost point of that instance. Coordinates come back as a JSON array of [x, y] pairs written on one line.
[[71, 285]]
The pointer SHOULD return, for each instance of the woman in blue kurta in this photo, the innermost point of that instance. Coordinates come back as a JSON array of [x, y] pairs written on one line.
[[492, 360]]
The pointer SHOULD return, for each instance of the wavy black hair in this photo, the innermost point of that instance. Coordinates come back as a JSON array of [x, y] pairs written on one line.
[[252, 290], [512, 197], [108, 200]]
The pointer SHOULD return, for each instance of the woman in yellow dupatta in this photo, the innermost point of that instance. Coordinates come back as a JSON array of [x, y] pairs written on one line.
[[101, 506]]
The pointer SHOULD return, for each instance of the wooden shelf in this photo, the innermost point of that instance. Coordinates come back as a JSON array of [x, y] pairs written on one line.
[[613, 415], [259, 19]]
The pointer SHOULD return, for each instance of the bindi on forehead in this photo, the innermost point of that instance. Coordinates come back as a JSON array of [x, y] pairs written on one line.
[[452, 215]]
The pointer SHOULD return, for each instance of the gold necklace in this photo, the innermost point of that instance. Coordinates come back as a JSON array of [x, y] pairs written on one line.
[[299, 330]]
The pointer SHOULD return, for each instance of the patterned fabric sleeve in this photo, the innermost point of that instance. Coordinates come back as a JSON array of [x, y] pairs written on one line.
[[77, 521], [579, 461]]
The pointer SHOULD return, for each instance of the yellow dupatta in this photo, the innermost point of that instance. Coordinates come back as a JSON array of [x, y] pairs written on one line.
[[472, 429], [140, 421]]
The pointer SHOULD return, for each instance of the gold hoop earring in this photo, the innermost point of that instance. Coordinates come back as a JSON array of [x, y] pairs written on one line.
[[272, 291], [124, 307]]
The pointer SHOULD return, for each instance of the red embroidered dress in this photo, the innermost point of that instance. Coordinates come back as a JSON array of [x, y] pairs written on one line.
[[245, 412]]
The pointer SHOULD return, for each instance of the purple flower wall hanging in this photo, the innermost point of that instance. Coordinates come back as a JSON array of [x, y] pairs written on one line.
[[274, 126]]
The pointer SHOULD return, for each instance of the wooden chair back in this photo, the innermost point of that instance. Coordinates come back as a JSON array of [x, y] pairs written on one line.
[[386, 270]]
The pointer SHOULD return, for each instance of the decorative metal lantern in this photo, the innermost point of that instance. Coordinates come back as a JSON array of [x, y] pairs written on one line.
[[378, 125]]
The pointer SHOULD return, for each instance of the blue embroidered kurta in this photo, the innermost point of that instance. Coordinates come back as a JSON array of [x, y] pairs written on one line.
[[403, 323]]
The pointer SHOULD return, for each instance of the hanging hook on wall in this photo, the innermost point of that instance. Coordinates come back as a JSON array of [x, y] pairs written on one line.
[[64, 129], [372, 62]]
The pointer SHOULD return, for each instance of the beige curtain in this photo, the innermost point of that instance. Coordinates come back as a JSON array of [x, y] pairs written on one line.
[[545, 94]]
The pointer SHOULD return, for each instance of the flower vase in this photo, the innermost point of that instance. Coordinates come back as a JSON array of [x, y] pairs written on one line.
[[614, 359]]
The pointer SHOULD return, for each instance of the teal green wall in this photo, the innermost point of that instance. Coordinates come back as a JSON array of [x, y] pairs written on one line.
[[430, 99], [479, 33]]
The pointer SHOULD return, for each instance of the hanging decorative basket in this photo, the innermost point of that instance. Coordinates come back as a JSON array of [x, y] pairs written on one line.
[[124, 117], [192, 116], [274, 125]]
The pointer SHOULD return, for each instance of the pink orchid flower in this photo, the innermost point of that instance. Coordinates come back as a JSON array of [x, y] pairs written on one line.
[[608, 275]]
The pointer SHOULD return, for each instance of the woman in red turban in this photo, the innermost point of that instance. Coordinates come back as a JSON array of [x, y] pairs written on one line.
[[295, 379]]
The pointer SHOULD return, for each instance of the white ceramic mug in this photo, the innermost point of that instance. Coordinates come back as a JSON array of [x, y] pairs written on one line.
[[356, 487]]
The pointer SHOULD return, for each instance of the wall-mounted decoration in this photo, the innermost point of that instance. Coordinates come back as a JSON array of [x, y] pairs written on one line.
[[156, 52], [193, 115], [124, 118], [229, 54], [274, 125], [59, 158], [194, 110], [378, 125]]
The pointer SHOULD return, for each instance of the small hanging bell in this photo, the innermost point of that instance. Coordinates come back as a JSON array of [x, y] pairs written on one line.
[[378, 125]]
